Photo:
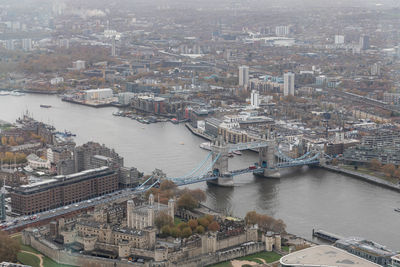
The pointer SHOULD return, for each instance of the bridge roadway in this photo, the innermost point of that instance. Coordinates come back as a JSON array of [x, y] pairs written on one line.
[[74, 208], [43, 217]]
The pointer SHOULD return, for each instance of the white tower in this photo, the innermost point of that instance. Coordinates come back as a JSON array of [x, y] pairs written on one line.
[[254, 99]]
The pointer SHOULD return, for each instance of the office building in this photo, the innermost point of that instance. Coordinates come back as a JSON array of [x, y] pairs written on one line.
[[366, 249], [2, 203], [255, 101], [288, 84], [282, 30], [27, 45], [391, 98], [364, 42], [113, 48], [10, 44], [243, 75], [99, 94], [83, 155], [79, 65], [63, 190], [376, 69], [339, 39]]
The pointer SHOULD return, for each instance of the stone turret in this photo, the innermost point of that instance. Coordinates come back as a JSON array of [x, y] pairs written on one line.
[[269, 241], [151, 200], [171, 208], [130, 205]]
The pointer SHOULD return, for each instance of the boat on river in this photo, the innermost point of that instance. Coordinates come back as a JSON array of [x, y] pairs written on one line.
[[397, 209], [45, 106], [206, 146]]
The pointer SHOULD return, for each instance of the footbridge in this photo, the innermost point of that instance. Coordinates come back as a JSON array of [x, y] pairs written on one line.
[[214, 167]]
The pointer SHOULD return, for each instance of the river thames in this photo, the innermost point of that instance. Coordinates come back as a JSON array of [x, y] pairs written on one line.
[[304, 198]]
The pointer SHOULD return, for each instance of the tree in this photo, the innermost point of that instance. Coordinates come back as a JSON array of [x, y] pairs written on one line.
[[200, 229], [209, 218], [163, 219], [199, 195], [187, 201], [4, 140], [214, 226], [8, 248], [165, 231], [193, 224], [167, 185], [375, 164], [182, 225], [389, 169], [251, 218], [203, 222], [175, 232], [186, 232]]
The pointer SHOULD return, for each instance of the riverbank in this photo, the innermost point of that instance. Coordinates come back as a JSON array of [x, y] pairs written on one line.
[[365, 177], [197, 132]]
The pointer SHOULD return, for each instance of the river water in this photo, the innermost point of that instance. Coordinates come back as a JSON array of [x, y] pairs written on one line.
[[304, 198]]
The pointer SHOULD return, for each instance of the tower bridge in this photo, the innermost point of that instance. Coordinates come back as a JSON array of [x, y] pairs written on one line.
[[214, 168]]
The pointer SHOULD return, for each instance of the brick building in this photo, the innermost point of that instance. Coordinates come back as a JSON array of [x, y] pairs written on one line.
[[63, 190]]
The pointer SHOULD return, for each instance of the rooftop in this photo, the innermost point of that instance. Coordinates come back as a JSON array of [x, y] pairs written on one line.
[[324, 255]]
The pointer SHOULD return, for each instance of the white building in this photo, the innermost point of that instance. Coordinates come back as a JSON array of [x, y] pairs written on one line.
[[125, 98], [79, 65], [56, 80], [141, 217], [27, 44], [255, 101], [339, 39], [376, 69], [288, 84], [98, 94], [37, 163], [282, 30], [243, 75], [10, 44]]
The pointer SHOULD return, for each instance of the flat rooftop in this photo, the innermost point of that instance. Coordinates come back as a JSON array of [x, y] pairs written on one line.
[[324, 255]]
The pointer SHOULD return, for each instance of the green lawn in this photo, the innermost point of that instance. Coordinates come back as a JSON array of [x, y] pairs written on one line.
[[47, 262], [285, 248], [267, 256], [28, 259], [222, 264], [177, 220], [32, 260]]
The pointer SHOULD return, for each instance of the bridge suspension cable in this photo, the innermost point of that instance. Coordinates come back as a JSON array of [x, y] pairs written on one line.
[[200, 166]]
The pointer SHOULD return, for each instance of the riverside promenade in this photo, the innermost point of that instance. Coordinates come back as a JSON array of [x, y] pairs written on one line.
[[362, 176]]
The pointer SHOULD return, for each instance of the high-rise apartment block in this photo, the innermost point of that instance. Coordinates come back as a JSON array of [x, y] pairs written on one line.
[[243, 75], [288, 84]]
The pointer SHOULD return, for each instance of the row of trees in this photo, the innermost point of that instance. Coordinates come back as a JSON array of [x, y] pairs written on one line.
[[187, 199], [10, 157], [11, 141], [166, 226], [9, 248], [390, 170], [265, 222]]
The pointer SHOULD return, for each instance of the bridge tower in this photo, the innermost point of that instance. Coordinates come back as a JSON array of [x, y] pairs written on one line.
[[267, 160], [220, 168]]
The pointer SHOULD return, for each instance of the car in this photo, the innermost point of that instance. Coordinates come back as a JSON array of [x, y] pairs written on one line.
[[66, 207], [76, 205]]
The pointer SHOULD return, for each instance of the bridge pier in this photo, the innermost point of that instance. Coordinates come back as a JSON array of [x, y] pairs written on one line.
[[220, 167], [267, 161]]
